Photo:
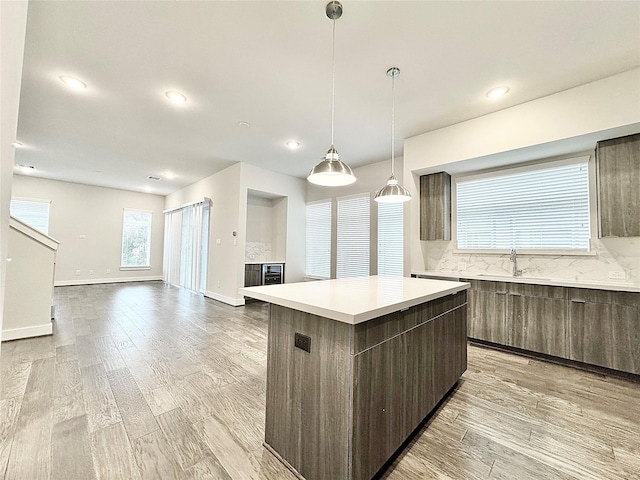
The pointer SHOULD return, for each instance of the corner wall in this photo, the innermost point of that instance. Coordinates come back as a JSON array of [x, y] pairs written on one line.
[[96, 213], [13, 27], [228, 191]]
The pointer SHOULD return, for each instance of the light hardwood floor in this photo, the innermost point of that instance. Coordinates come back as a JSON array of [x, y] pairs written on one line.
[[147, 381]]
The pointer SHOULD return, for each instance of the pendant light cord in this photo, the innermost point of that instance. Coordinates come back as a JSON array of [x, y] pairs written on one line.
[[393, 123], [333, 81]]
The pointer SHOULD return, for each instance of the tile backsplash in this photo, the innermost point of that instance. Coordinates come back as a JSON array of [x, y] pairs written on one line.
[[257, 252], [607, 255]]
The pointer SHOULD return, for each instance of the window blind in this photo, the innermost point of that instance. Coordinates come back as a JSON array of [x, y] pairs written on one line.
[[34, 213], [390, 239], [543, 208], [318, 249], [353, 236]]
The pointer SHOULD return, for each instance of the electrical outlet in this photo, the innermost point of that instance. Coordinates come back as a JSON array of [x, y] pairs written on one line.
[[83, 236], [218, 241], [303, 342], [91, 272], [108, 270], [462, 265], [77, 273], [218, 283], [617, 275]]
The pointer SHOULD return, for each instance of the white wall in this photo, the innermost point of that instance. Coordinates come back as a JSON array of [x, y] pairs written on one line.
[[229, 191], [29, 286], [560, 124], [13, 25], [96, 213]]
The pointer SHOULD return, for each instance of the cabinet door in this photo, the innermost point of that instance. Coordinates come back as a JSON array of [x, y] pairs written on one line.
[[591, 328], [488, 317], [618, 179], [252, 275], [538, 324], [435, 206]]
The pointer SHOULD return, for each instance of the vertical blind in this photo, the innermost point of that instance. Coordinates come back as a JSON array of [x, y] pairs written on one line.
[[390, 239], [318, 250], [353, 236], [186, 238], [34, 213], [542, 208]]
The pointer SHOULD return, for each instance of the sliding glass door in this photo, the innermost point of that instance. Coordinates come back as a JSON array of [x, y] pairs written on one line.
[[186, 243]]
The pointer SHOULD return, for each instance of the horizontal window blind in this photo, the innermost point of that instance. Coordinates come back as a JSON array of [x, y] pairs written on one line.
[[353, 236], [34, 213], [390, 239], [318, 250], [545, 208]]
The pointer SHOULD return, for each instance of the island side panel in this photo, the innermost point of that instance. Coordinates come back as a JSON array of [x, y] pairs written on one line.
[[309, 394], [398, 381]]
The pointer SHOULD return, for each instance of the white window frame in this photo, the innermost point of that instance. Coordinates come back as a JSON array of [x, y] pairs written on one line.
[[380, 208], [147, 266], [313, 276], [368, 243], [586, 158], [33, 200]]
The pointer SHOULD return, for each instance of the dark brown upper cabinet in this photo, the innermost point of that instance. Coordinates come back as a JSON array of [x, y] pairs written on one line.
[[618, 163], [435, 206]]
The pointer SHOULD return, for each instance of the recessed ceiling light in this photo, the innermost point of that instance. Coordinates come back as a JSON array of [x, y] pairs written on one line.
[[292, 144], [497, 92], [73, 82], [168, 175], [17, 144], [176, 97], [153, 177], [242, 123], [25, 168]]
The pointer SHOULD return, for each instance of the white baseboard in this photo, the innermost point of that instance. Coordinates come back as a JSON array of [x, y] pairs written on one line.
[[27, 332], [94, 281], [235, 302]]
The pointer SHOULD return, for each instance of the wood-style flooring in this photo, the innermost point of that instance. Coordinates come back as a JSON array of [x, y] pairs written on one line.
[[148, 381]]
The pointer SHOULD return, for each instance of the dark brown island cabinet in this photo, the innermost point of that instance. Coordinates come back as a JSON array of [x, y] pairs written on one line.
[[355, 365]]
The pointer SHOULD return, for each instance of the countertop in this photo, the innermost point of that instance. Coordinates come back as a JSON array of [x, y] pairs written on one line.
[[354, 300], [555, 282], [277, 262]]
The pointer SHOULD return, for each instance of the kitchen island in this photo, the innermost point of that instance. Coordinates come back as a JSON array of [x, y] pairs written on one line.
[[354, 365]]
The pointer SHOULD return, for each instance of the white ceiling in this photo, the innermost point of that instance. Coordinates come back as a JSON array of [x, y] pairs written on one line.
[[268, 63]]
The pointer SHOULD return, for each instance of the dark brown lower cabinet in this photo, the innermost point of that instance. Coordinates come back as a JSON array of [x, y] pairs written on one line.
[[538, 324], [605, 334], [488, 311], [598, 327], [342, 409]]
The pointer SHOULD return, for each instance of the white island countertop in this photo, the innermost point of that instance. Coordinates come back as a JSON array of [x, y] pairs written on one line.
[[355, 300]]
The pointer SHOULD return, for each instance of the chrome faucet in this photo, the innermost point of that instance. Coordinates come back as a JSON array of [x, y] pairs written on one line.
[[514, 258]]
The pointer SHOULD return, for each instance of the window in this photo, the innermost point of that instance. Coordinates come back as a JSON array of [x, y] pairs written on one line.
[[542, 207], [34, 213], [136, 238], [353, 236], [390, 239], [318, 250]]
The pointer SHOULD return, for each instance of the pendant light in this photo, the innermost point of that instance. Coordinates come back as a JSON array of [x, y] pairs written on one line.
[[392, 192], [331, 172]]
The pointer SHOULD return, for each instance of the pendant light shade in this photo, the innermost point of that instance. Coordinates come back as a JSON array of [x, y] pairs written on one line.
[[331, 172], [392, 192]]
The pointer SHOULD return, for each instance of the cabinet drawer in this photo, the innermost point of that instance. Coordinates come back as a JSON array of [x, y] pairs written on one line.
[[604, 296]]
